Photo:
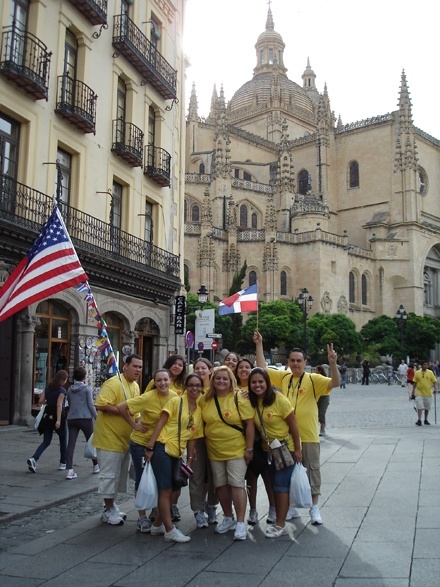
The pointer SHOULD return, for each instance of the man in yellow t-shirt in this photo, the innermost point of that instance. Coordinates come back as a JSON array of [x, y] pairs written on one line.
[[112, 435], [303, 390], [423, 381]]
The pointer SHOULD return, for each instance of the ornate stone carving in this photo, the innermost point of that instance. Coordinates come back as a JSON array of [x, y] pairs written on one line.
[[326, 303], [342, 305]]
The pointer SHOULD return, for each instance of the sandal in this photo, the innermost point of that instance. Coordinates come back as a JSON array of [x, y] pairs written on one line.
[[276, 531]]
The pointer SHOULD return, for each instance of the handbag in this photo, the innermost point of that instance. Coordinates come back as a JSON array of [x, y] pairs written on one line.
[[90, 451], [39, 416], [281, 456], [300, 493], [147, 493], [182, 472]]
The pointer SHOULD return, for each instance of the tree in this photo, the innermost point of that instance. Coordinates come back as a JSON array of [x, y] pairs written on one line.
[[338, 329], [236, 319], [381, 336]]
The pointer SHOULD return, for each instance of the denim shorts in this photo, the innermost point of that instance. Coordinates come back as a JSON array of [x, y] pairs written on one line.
[[163, 466], [137, 452], [280, 480]]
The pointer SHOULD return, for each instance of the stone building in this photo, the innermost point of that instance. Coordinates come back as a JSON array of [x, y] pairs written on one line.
[[90, 115], [348, 211]]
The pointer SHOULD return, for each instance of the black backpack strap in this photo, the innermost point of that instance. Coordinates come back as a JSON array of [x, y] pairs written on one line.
[[217, 405]]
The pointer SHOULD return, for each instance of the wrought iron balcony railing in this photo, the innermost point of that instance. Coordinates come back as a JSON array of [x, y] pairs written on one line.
[[94, 10], [128, 142], [76, 103], [25, 60], [158, 165], [28, 208], [131, 42]]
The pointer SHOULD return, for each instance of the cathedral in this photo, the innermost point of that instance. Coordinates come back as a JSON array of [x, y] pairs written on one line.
[[348, 211]]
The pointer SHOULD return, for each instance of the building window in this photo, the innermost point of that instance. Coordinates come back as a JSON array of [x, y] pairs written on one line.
[[283, 283], [116, 216], [243, 216], [427, 287], [303, 182], [270, 56], [9, 137], [186, 277], [247, 176], [254, 220], [354, 174], [202, 168], [63, 177], [185, 210], [148, 229], [423, 182], [364, 290], [151, 126], [195, 214], [351, 288], [252, 278], [237, 173]]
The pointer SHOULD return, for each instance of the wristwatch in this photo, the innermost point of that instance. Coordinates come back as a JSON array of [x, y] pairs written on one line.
[[149, 449], [249, 450]]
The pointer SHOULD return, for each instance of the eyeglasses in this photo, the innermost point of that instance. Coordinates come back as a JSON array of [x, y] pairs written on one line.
[[195, 385]]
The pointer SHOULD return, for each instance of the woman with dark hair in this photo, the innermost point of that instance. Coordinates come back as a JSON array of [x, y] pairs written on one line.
[[230, 448], [80, 417], [275, 419], [231, 361], [53, 420], [180, 421], [150, 405], [257, 466]]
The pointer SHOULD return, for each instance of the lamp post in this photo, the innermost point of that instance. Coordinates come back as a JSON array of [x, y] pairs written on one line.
[[202, 295], [305, 302], [401, 316]]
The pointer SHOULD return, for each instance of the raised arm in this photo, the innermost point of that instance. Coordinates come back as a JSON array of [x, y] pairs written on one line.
[[259, 352], [334, 371]]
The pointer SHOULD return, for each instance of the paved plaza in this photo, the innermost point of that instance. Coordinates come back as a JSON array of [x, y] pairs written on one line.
[[380, 504]]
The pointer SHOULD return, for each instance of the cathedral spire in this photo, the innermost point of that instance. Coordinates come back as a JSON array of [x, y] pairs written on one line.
[[405, 107], [192, 111], [214, 101], [270, 49], [406, 150]]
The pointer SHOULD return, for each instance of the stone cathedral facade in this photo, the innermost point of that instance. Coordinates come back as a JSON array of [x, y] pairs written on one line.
[[349, 211]]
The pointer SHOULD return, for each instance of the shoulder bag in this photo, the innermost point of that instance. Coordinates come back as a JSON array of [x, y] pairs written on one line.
[[182, 472]]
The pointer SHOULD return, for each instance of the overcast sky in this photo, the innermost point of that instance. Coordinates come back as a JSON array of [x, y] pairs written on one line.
[[358, 48]]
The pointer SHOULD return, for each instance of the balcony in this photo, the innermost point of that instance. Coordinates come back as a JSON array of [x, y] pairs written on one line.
[[130, 41], [128, 142], [113, 259], [94, 10], [158, 165], [76, 103], [24, 59]]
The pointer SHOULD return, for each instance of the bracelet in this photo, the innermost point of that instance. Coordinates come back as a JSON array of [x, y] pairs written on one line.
[[149, 449], [249, 450], [190, 458]]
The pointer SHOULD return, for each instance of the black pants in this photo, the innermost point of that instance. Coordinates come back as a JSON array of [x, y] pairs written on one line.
[[85, 425]]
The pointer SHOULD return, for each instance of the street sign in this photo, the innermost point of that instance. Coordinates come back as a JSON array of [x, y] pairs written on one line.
[[213, 335], [200, 346], [214, 345], [189, 339]]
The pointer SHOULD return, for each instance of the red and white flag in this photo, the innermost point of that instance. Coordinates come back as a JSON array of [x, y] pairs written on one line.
[[245, 300], [50, 266]]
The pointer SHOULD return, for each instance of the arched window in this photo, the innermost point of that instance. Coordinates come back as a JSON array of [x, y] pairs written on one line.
[[283, 283], [202, 168], [254, 220], [243, 216], [247, 176], [354, 174], [364, 290], [351, 288], [185, 210], [252, 278], [195, 214], [186, 277], [303, 182]]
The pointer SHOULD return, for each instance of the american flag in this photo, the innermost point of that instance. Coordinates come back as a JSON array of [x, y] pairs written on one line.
[[51, 266]]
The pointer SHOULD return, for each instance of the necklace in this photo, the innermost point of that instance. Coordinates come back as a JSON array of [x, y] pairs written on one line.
[[159, 396]]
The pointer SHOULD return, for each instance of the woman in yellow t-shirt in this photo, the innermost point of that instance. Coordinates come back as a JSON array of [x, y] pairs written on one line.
[[231, 360], [176, 365], [164, 450], [256, 467], [150, 404], [229, 449], [276, 413]]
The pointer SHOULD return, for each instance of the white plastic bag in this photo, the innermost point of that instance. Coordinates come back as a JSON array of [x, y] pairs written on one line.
[[39, 416], [146, 497], [300, 492], [90, 450]]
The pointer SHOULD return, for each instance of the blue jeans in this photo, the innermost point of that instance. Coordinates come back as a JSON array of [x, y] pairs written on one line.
[[47, 439], [137, 452]]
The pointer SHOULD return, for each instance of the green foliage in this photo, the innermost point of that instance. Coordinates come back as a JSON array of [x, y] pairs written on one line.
[[323, 329], [381, 335], [236, 319]]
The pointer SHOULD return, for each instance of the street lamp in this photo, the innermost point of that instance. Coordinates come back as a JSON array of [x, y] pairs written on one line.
[[202, 295], [401, 316], [305, 302]]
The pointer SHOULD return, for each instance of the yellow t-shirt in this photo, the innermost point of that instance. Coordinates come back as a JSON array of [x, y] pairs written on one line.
[[190, 427], [173, 387], [222, 441], [112, 432], [150, 405], [274, 420], [302, 398], [424, 382]]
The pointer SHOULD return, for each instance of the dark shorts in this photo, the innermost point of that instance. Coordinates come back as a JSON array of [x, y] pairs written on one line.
[[280, 480], [163, 466]]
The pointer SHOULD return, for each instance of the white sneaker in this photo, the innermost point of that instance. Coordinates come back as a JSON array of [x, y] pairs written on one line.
[[175, 535], [226, 525], [96, 468], [157, 530], [293, 513], [32, 465], [271, 516], [71, 474], [315, 515], [201, 520], [122, 514], [276, 531], [240, 531], [112, 517], [62, 467]]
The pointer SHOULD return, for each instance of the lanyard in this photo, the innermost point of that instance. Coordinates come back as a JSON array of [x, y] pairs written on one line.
[[297, 386]]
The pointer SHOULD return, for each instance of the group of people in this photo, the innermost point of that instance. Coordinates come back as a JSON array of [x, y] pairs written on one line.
[[224, 419]]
